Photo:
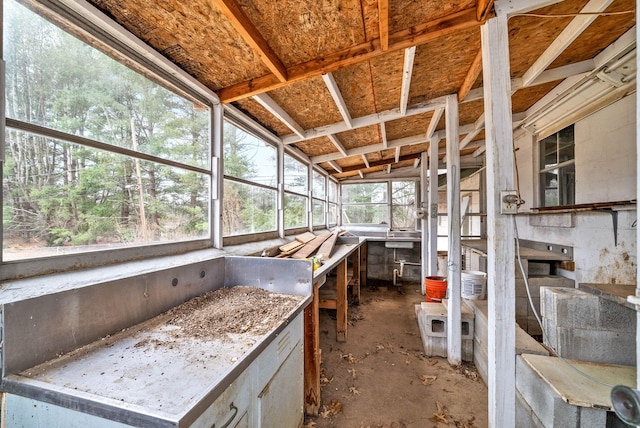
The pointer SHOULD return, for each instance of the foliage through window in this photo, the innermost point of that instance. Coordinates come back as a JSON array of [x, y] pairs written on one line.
[[250, 169], [369, 203], [557, 169], [91, 187], [296, 187]]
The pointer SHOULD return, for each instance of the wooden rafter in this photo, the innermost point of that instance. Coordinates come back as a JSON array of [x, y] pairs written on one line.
[[471, 77], [334, 140], [383, 162], [483, 8], [274, 108], [566, 37], [252, 37], [332, 86], [335, 166], [383, 134], [403, 39], [365, 160], [407, 71], [397, 154], [383, 19], [435, 118]]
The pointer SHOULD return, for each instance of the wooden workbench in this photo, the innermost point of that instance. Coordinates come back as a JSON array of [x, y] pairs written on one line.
[[337, 261]]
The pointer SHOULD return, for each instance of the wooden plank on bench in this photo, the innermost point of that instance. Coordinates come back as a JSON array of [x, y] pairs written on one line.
[[305, 237], [324, 252], [311, 246], [291, 246]]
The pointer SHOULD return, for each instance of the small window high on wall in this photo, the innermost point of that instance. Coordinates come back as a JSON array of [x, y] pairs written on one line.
[[557, 169]]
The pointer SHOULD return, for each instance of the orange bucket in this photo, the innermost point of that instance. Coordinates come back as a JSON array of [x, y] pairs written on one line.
[[436, 288]]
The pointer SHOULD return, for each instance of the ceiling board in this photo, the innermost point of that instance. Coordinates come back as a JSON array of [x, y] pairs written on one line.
[[408, 13]]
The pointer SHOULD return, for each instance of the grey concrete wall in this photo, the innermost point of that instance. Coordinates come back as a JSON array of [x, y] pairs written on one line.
[[380, 262]]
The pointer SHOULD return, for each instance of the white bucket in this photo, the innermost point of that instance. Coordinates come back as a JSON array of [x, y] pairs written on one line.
[[474, 285]]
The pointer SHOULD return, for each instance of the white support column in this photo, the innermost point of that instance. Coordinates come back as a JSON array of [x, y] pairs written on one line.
[[454, 333], [280, 186], [637, 229], [424, 222], [500, 228], [217, 171], [433, 206]]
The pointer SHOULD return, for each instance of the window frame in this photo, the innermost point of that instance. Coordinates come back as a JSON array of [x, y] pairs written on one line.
[[560, 166], [305, 194], [93, 28]]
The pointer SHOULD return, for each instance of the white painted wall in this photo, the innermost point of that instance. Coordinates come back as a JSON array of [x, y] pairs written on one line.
[[605, 172]]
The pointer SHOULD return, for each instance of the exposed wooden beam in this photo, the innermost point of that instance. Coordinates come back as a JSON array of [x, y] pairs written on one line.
[[365, 160], [416, 162], [480, 150], [335, 166], [403, 39], [364, 121], [471, 77], [389, 169], [383, 20], [510, 7], [397, 153], [566, 37], [274, 108], [252, 37], [383, 135], [332, 86], [479, 126], [360, 173], [334, 140], [483, 8], [407, 71], [435, 119]]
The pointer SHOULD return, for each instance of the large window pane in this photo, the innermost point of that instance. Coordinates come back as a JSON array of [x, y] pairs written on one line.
[[318, 185], [59, 82], [248, 157], [333, 214], [248, 209], [363, 193], [317, 213], [60, 197], [295, 175], [333, 191], [371, 213], [295, 211]]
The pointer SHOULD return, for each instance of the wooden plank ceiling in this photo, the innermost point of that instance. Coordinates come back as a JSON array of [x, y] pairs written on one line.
[[355, 85]]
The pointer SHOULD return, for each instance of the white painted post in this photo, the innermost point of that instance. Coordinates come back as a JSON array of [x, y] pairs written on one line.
[[637, 229], [424, 222], [433, 206], [454, 327], [500, 229], [217, 167]]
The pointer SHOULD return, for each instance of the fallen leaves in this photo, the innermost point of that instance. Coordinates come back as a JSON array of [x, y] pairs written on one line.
[[428, 379], [353, 372], [441, 415], [353, 390], [349, 358], [333, 408]]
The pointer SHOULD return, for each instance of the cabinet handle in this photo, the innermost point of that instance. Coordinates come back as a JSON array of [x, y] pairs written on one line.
[[234, 409]]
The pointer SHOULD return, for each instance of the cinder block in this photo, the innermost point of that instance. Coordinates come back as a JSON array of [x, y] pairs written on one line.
[[525, 344], [598, 346], [543, 401], [436, 320], [436, 346], [525, 418], [575, 308], [539, 269], [535, 282], [591, 417], [481, 361]]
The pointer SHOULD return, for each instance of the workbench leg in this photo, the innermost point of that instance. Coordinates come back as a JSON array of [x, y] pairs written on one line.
[[312, 355], [363, 265], [341, 304], [355, 289]]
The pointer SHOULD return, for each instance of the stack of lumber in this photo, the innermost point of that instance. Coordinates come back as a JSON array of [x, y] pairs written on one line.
[[305, 245]]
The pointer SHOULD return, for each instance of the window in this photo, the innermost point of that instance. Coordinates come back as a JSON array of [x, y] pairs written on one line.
[[332, 195], [368, 203], [296, 187], [557, 169], [250, 177], [97, 155], [319, 202]]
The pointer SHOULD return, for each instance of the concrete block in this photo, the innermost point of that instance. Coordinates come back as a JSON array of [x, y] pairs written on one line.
[[598, 346], [525, 418], [575, 308], [525, 344], [525, 265], [481, 361], [436, 346], [436, 320], [543, 401], [535, 282], [592, 418], [539, 269]]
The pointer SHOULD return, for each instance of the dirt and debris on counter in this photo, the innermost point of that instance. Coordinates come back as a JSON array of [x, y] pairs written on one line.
[[381, 378], [232, 310]]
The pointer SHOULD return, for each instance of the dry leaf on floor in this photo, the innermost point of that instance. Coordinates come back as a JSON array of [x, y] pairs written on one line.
[[325, 380], [325, 413], [432, 362], [427, 379], [353, 372], [335, 406], [309, 424], [379, 347], [390, 346], [349, 357], [353, 390], [441, 414], [407, 362]]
